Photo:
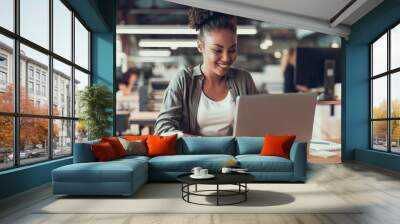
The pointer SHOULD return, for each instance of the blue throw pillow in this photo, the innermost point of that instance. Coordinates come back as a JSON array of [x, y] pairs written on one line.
[[249, 145]]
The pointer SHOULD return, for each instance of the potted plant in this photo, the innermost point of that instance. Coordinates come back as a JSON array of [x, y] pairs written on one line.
[[96, 104]]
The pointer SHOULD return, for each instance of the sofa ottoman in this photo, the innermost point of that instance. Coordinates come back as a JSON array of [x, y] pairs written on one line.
[[118, 177]]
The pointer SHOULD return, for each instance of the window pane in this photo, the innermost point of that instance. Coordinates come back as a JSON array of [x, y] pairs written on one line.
[[379, 97], [81, 81], [6, 142], [35, 21], [62, 89], [33, 139], [62, 29], [395, 94], [34, 97], [379, 55], [395, 136], [379, 135], [62, 141], [81, 45], [7, 14], [395, 47], [6, 74], [81, 131]]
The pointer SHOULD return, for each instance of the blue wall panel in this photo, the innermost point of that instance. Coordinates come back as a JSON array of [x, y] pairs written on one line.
[[89, 11], [102, 58], [377, 158], [355, 126], [24, 178], [356, 102]]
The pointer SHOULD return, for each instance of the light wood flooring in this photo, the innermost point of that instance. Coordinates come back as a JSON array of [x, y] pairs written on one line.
[[321, 160], [377, 188]]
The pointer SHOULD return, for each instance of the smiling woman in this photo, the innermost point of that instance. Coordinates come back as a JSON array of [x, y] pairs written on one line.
[[200, 100]]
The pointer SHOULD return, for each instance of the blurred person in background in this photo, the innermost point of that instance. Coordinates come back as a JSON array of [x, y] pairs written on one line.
[[127, 84], [288, 64]]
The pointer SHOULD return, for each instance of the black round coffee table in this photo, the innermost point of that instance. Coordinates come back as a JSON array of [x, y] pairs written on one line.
[[238, 179]]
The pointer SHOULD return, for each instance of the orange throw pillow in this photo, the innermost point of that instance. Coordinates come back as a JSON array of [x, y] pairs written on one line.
[[103, 152], [135, 137], [161, 145], [116, 145], [275, 145]]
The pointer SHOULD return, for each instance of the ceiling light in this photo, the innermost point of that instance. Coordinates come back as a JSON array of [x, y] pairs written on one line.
[[171, 43], [268, 42], [174, 29], [264, 46], [334, 45], [277, 54], [154, 53]]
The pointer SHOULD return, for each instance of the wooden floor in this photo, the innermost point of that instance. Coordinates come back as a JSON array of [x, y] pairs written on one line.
[[321, 160], [378, 189]]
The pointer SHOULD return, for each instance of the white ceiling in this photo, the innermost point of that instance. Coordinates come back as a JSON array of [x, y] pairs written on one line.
[[313, 15], [321, 9]]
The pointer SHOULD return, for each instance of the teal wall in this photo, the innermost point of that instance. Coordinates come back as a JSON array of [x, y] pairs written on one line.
[[99, 15], [104, 50], [24, 178], [355, 117]]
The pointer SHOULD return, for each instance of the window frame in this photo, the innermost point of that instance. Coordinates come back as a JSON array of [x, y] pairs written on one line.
[[388, 74], [15, 68]]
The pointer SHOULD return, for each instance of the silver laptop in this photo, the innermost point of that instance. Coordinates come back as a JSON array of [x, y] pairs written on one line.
[[279, 114]]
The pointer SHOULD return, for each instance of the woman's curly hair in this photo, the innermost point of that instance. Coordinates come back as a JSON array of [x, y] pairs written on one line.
[[204, 20]]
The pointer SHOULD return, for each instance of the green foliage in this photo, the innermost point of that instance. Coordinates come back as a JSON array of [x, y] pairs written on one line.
[[96, 102], [380, 127]]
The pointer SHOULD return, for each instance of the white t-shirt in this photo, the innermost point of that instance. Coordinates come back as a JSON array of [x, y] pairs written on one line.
[[215, 118]]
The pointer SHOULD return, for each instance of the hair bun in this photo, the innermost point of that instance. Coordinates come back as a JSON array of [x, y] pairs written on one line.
[[198, 17]]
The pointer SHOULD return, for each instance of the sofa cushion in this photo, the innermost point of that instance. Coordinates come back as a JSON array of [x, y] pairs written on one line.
[[206, 145], [277, 145], [116, 145], [134, 147], [161, 145], [103, 152], [257, 163], [83, 152], [133, 158], [185, 163], [135, 137], [249, 145], [111, 171]]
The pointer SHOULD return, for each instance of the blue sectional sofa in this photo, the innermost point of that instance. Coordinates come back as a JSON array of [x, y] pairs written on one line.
[[125, 176]]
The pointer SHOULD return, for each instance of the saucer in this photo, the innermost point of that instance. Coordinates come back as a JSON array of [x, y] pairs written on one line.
[[208, 176]]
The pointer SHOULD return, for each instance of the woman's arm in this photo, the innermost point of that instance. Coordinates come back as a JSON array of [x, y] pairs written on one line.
[[170, 116]]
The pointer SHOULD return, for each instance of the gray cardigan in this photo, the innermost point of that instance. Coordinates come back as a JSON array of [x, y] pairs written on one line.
[[181, 99]]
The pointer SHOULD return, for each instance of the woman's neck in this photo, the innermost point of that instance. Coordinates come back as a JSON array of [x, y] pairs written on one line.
[[211, 78]]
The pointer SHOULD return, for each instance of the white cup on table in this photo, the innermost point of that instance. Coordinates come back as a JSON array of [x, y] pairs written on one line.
[[196, 171], [226, 170], [203, 172]]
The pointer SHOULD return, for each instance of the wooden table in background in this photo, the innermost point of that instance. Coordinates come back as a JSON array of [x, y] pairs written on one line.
[[332, 103], [143, 119]]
